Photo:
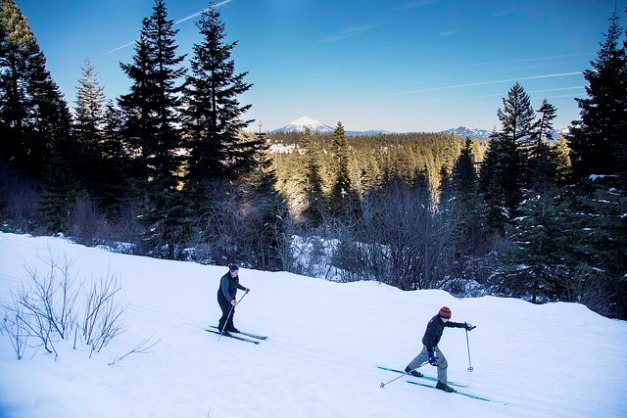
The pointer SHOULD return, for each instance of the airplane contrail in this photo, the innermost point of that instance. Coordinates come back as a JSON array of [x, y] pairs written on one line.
[[532, 92], [199, 13], [175, 23], [484, 83]]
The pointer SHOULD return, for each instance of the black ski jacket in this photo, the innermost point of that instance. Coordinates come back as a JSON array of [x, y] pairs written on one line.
[[434, 331], [228, 287]]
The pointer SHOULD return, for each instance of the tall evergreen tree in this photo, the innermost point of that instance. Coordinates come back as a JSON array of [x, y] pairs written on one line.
[[313, 185], [213, 115], [16, 47], [542, 159], [343, 200], [598, 140], [152, 106], [534, 267], [90, 107], [34, 117], [117, 188], [152, 118], [462, 198], [88, 130], [504, 171], [562, 161]]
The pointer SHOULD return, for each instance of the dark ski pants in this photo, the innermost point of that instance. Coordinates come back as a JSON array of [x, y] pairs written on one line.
[[225, 306], [423, 357]]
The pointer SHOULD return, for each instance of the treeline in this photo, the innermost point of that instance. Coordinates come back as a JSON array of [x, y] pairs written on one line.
[[522, 217], [165, 167], [169, 169]]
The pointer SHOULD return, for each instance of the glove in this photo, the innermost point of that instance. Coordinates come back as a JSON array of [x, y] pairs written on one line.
[[432, 360], [247, 290], [468, 326]]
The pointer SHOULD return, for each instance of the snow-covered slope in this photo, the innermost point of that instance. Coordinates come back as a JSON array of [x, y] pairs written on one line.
[[325, 341]]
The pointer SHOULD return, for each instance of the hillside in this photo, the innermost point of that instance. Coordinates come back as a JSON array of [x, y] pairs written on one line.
[[325, 341]]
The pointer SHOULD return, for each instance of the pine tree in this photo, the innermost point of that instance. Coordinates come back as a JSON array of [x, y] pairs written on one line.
[[462, 198], [562, 161], [504, 171], [542, 159], [313, 186], [17, 46], [90, 106], [153, 104], [343, 200], [533, 267], [116, 174], [88, 130], [34, 116], [152, 117], [598, 140], [213, 116]]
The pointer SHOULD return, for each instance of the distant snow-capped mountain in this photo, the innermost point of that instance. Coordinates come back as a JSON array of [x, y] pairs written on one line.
[[466, 132], [316, 127], [300, 124]]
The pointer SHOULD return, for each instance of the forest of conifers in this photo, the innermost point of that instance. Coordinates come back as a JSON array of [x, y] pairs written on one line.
[[169, 170]]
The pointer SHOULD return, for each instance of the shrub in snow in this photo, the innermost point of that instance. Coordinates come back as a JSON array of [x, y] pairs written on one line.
[[43, 312]]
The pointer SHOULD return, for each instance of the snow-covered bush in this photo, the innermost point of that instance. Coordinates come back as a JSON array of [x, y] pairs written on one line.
[[49, 308]]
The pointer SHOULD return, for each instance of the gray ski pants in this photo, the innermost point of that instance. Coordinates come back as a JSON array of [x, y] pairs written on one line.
[[423, 357]]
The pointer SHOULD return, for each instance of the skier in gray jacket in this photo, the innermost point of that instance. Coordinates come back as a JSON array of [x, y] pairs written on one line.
[[229, 283], [430, 351]]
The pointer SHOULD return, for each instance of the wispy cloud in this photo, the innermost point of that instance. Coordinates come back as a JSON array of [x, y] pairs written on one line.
[[485, 83], [349, 33], [416, 4], [324, 71], [502, 13], [448, 32], [532, 92], [516, 61], [178, 22], [557, 89]]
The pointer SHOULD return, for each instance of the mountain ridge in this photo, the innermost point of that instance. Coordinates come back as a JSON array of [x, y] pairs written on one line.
[[299, 125]]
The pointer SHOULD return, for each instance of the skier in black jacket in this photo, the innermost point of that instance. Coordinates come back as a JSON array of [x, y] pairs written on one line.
[[430, 351], [229, 283]]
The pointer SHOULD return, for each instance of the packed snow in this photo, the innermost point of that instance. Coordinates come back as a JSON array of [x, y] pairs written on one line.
[[325, 341]]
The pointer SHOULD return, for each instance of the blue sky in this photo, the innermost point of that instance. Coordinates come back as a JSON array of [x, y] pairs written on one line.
[[399, 65]]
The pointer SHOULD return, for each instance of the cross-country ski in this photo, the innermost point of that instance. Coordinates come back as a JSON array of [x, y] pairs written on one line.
[[232, 335], [456, 392], [433, 379], [247, 334]]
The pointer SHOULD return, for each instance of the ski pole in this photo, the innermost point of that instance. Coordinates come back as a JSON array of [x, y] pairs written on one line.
[[383, 385], [229, 315], [468, 347]]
